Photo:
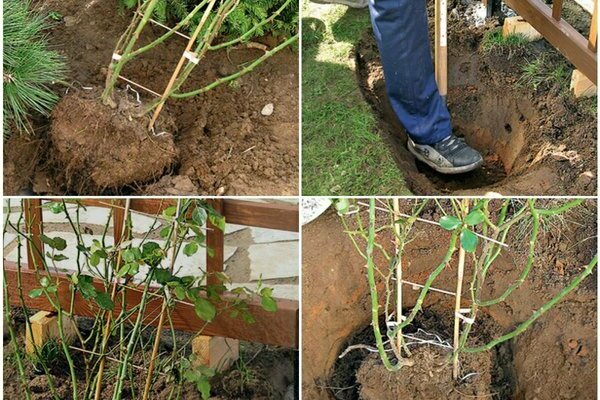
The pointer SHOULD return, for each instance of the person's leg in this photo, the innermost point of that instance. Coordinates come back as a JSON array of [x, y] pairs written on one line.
[[401, 31]]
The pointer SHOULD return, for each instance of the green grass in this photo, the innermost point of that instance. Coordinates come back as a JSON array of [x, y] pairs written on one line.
[[540, 72], [493, 40], [342, 152]]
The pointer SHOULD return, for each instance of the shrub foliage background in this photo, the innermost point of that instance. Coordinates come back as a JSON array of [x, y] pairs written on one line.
[[247, 14], [29, 67]]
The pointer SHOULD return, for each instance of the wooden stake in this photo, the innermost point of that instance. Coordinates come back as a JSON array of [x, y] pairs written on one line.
[[461, 272], [396, 204], [593, 38], [441, 46], [163, 310], [188, 49], [124, 232]]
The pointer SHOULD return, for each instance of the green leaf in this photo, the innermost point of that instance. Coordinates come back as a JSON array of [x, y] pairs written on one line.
[[56, 257], [55, 207], [85, 286], [268, 303], [94, 259], [170, 211], [180, 293], [449, 222], [45, 282], [131, 255], [468, 240], [60, 244], [104, 301], [342, 206], [152, 254], [205, 309], [35, 293], [210, 251], [190, 249], [218, 221], [199, 216], [164, 232], [203, 386], [162, 275], [474, 218]]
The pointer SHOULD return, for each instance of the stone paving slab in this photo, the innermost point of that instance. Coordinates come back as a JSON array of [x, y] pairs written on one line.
[[290, 292], [264, 235], [274, 260]]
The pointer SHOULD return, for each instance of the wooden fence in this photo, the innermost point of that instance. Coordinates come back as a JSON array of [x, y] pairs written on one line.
[[578, 49], [280, 328]]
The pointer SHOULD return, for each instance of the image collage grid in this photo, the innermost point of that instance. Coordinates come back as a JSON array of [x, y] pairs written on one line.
[[300, 199]]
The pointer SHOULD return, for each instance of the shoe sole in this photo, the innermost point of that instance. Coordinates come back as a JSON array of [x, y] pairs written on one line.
[[348, 3], [445, 170]]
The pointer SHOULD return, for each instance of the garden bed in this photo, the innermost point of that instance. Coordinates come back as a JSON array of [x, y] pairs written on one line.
[[547, 361], [223, 144], [535, 141]]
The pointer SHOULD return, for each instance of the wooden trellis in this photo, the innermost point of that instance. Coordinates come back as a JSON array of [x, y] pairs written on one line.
[[280, 328]]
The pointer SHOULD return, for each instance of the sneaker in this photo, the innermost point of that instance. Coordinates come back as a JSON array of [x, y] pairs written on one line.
[[349, 3], [448, 156]]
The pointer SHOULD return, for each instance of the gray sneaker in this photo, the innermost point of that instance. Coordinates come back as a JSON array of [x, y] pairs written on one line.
[[349, 3], [448, 156]]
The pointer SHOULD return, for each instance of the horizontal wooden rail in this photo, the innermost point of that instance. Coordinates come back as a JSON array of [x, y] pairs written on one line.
[[572, 44], [279, 328], [280, 216]]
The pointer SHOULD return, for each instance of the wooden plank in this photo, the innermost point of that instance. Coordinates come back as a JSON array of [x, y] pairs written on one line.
[[593, 37], [560, 34], [265, 215], [34, 227], [215, 240], [557, 9], [278, 329]]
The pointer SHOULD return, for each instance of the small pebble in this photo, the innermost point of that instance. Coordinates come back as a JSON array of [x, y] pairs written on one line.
[[267, 110]]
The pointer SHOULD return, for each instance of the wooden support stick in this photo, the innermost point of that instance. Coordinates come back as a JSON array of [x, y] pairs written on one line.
[[34, 227], [165, 304], [121, 228], [441, 46], [396, 204], [593, 38], [461, 272], [188, 48]]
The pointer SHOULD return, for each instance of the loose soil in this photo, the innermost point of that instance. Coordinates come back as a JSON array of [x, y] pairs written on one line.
[[268, 372], [223, 144], [545, 362], [534, 142]]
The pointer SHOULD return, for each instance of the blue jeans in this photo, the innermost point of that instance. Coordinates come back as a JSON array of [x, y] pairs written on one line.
[[401, 31]]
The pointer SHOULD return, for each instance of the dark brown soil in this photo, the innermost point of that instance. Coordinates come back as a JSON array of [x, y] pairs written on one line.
[[85, 133], [225, 145], [547, 361], [268, 373], [534, 142]]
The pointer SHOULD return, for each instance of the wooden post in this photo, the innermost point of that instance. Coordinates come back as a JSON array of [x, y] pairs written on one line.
[[557, 9], [44, 327], [441, 46], [215, 352], [215, 240], [461, 272], [34, 226], [593, 38], [188, 48]]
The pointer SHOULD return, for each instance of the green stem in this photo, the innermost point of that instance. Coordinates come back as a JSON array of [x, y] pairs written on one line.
[[523, 326]]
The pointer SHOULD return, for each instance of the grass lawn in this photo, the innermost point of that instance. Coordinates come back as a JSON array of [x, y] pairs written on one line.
[[342, 153]]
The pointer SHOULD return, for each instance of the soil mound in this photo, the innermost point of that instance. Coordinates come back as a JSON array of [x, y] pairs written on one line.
[[429, 378], [104, 148]]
